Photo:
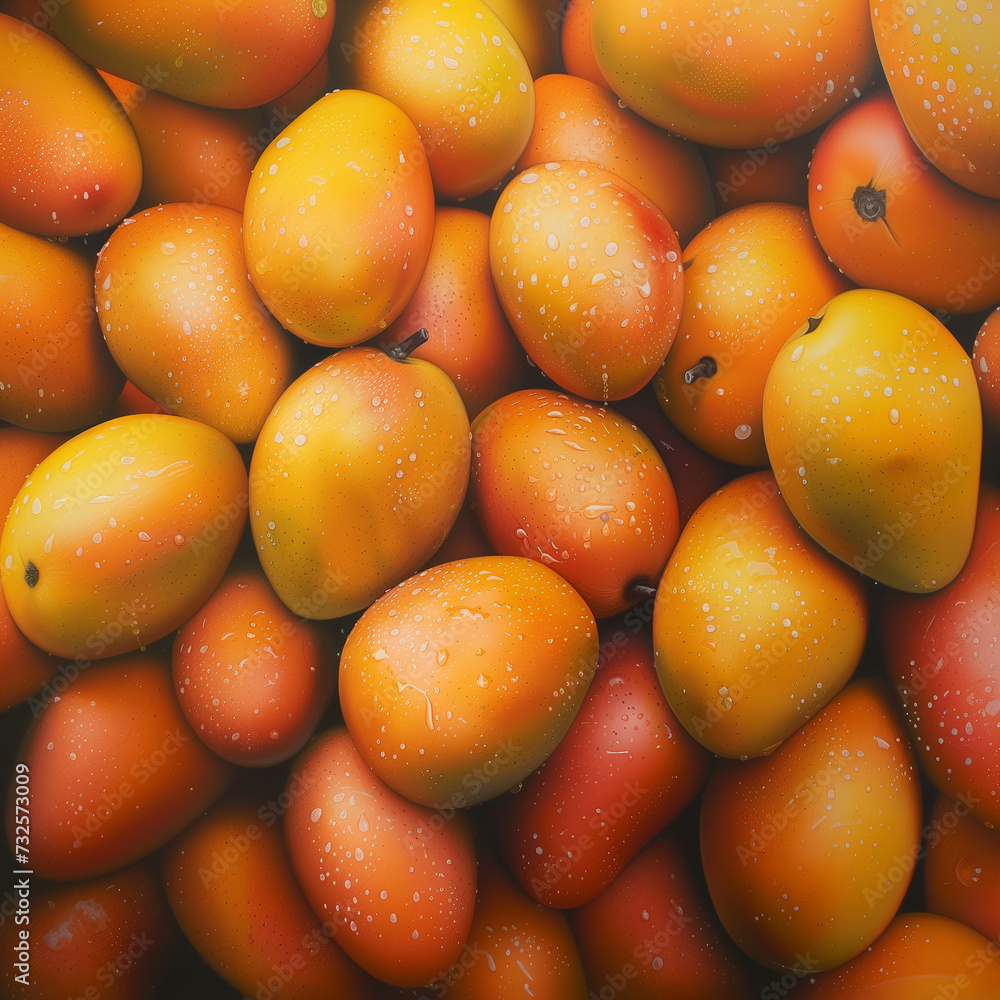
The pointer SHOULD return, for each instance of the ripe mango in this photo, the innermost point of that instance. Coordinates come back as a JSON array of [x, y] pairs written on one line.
[[873, 427]]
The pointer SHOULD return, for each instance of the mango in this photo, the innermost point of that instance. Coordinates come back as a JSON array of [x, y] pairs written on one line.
[[873, 427]]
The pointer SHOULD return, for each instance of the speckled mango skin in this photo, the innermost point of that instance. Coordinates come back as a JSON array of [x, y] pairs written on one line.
[[116, 770], [461, 681], [945, 47], [796, 846], [588, 271], [398, 885], [738, 76], [222, 53], [454, 68], [56, 373], [339, 218], [130, 526], [755, 627], [357, 477], [69, 160], [184, 323], [752, 277], [248, 915], [874, 431], [577, 487]]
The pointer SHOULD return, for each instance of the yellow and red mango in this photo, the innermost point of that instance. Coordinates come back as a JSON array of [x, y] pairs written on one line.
[[460, 681], [654, 928], [962, 867], [469, 338], [455, 70], [588, 271], [121, 534], [625, 769], [112, 932], [735, 76], [356, 479], [940, 653], [752, 277], [755, 627], [811, 849], [889, 220], [941, 64], [339, 219], [523, 949], [579, 120], [69, 162], [577, 487], [920, 956], [185, 324], [396, 880], [223, 53], [252, 678], [116, 770], [231, 887], [190, 152], [55, 370]]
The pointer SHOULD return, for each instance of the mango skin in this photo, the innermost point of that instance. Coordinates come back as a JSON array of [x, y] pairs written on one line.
[[357, 477], [463, 679], [127, 530], [222, 53], [339, 218], [873, 427], [69, 159]]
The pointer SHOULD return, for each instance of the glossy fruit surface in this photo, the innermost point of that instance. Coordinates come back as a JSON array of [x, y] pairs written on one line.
[[190, 153], [251, 677], [121, 534], [110, 933], [209, 349], [579, 120], [356, 479], [625, 769], [653, 933], [573, 485], [942, 73], [469, 337], [396, 879], [588, 272], [940, 651], [873, 428], [70, 162], [810, 851], [752, 277], [454, 68], [461, 680], [734, 76], [115, 769], [919, 957], [351, 173], [962, 867], [889, 220], [232, 889], [56, 373], [755, 627], [222, 53]]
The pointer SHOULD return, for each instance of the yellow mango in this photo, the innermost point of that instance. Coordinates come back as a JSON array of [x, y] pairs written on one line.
[[873, 428], [357, 477], [121, 534]]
